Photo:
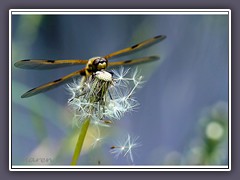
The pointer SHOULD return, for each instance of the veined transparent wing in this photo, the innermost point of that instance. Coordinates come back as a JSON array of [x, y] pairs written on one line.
[[136, 47], [48, 64], [53, 84]]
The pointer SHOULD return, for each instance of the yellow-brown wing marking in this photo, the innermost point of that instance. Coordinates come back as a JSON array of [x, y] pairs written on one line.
[[136, 47], [133, 61], [47, 64], [53, 84]]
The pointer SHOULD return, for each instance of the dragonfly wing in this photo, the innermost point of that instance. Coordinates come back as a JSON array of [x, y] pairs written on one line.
[[136, 47], [47, 64], [53, 84], [133, 61]]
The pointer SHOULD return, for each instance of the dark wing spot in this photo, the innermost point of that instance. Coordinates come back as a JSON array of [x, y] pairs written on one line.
[[50, 61], [57, 80], [26, 60], [31, 90], [133, 47], [156, 37], [160, 36], [26, 94], [128, 61]]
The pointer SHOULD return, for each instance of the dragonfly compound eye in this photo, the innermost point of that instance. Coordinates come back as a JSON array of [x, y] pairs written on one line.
[[99, 63]]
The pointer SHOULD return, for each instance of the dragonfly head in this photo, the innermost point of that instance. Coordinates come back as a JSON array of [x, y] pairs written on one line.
[[96, 64]]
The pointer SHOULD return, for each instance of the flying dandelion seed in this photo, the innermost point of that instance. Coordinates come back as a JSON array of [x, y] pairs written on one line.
[[125, 147]]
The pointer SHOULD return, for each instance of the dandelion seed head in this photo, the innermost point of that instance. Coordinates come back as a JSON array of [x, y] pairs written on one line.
[[104, 95]]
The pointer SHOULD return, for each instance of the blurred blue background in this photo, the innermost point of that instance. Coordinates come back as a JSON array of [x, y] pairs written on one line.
[[183, 113]]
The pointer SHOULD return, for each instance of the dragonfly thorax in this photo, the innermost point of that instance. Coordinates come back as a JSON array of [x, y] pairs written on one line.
[[96, 64]]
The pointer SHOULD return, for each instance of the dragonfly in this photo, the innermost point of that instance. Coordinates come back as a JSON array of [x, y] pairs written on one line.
[[92, 65]]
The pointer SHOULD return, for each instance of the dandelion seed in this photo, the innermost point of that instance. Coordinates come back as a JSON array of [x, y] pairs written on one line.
[[125, 147], [120, 75], [97, 138]]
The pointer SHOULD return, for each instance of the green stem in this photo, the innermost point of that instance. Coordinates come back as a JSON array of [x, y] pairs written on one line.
[[81, 137]]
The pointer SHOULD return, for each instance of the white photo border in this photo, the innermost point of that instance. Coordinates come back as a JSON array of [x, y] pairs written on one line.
[[118, 12]]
